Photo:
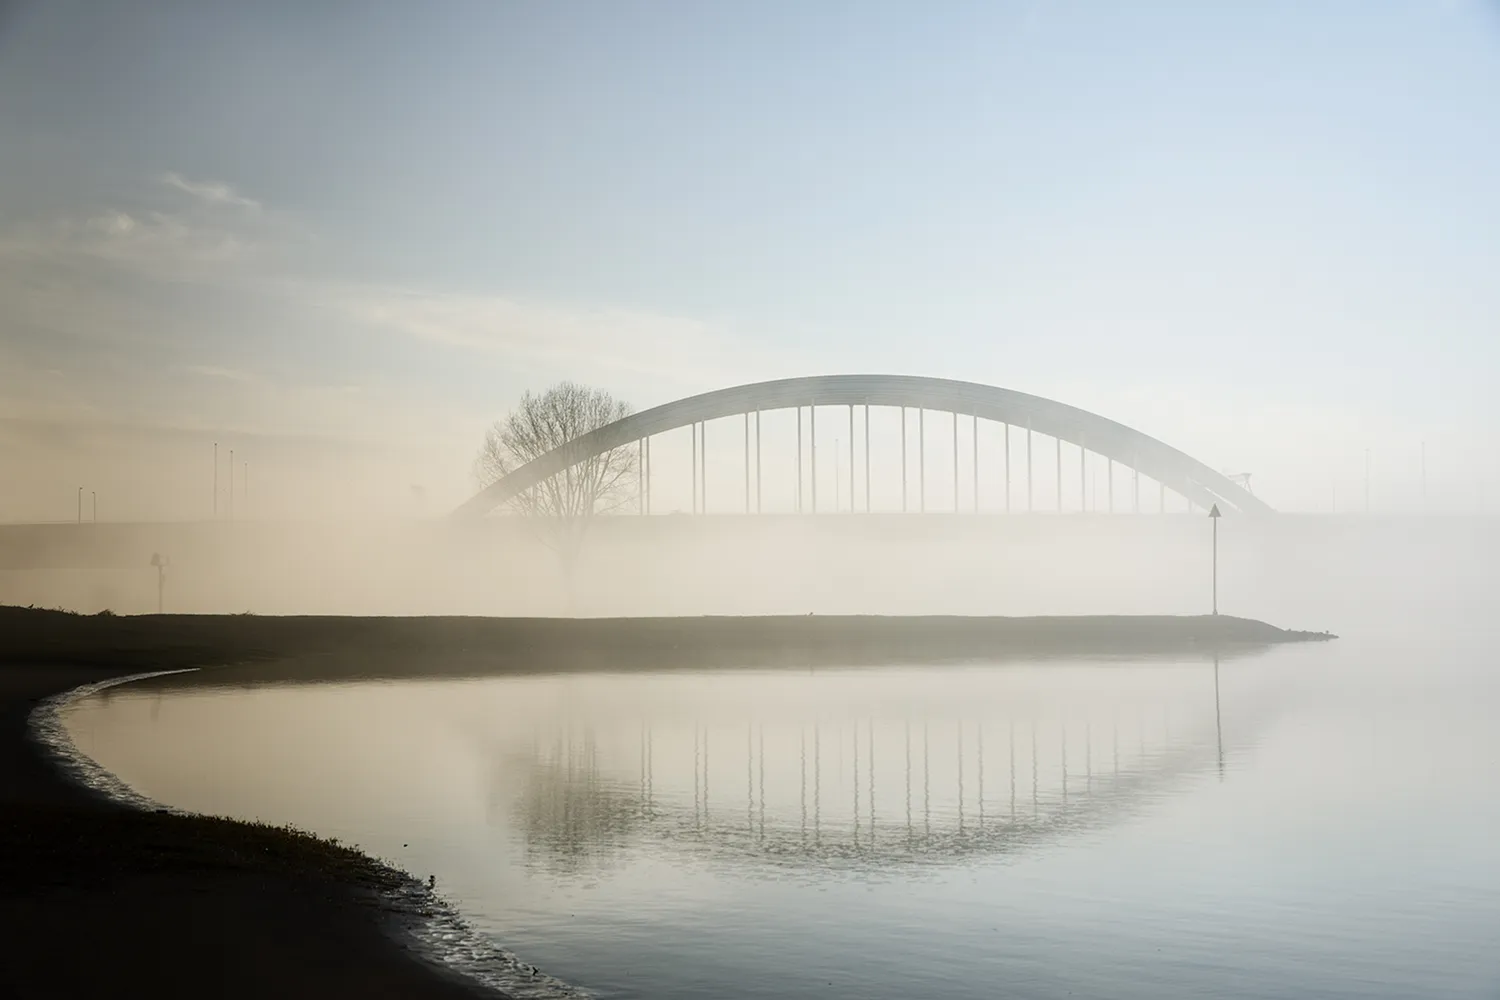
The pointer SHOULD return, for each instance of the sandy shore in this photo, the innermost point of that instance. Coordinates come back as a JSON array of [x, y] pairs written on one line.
[[99, 898]]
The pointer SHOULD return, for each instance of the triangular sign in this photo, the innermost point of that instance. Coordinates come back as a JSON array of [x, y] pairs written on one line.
[[1214, 511]]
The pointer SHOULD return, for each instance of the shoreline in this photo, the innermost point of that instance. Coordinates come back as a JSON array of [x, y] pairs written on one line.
[[185, 904], [193, 904], [413, 917], [264, 649]]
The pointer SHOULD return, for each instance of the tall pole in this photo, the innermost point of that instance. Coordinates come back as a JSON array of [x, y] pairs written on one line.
[[867, 458], [1028, 466], [648, 473], [975, 443], [955, 461], [903, 460], [921, 460], [799, 458], [216, 480], [703, 464], [1213, 516], [80, 505], [695, 466], [231, 484], [1007, 467], [812, 440], [1083, 477], [851, 458], [94, 494], [245, 487], [1059, 474], [747, 461], [757, 462]]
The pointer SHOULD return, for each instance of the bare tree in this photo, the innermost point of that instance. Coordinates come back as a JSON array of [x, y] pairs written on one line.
[[561, 507]]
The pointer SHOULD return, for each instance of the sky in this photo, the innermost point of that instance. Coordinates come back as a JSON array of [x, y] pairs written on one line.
[[342, 238]]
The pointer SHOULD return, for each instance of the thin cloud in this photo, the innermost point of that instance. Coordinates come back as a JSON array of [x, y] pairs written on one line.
[[94, 280], [689, 351], [211, 192], [221, 373]]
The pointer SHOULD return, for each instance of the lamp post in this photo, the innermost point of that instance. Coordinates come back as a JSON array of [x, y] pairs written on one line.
[[161, 565], [95, 496], [80, 505], [1213, 516]]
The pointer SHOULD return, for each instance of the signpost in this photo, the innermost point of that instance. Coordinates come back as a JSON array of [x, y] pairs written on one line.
[[1213, 516]]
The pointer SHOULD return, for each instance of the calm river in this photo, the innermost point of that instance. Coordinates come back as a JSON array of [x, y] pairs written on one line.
[[1314, 821]]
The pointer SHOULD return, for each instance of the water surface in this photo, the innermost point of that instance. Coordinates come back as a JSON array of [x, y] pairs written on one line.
[[1315, 821]]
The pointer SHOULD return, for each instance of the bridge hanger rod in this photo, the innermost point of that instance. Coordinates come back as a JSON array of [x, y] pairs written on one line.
[[867, 458], [1083, 477], [812, 432], [955, 461], [903, 460], [1029, 491], [921, 460], [974, 440]]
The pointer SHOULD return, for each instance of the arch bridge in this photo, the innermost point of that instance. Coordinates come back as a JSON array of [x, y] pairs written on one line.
[[1088, 432]]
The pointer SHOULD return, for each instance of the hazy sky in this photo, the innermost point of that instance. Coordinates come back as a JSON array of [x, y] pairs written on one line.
[[347, 235]]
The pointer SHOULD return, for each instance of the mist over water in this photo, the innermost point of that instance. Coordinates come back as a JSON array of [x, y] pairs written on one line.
[[1309, 821], [1298, 571]]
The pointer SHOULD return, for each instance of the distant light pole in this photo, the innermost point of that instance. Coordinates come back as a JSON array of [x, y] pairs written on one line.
[[161, 575], [95, 497], [216, 480], [80, 505], [1213, 516]]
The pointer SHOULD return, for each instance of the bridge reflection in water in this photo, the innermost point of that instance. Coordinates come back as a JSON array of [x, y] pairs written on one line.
[[864, 792]]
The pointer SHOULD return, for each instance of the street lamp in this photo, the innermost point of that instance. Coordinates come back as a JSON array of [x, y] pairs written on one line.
[[1213, 516], [80, 505], [161, 565], [95, 497]]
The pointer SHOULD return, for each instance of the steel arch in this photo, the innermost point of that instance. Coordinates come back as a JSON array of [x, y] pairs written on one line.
[[1177, 471]]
